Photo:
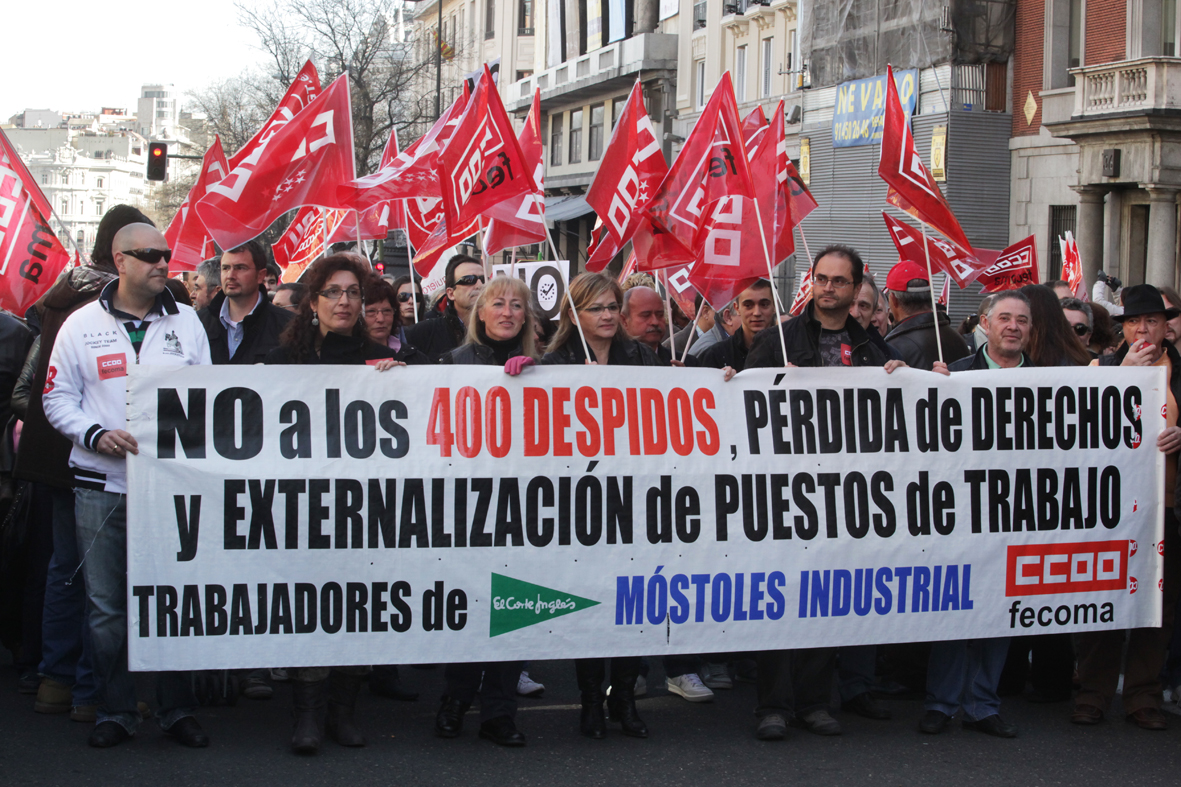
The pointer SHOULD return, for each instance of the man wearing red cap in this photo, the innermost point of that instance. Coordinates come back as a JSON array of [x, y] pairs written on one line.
[[913, 335]]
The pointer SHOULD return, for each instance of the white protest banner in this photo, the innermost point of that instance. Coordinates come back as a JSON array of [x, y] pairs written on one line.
[[340, 515]]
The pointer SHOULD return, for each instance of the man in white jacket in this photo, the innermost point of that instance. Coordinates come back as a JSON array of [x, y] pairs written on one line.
[[134, 321]]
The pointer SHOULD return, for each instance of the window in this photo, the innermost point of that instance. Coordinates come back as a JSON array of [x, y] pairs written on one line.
[[98, 207], [598, 114], [81, 237], [1062, 218], [1075, 56], [490, 19], [1168, 13], [100, 182], [82, 178], [617, 107], [793, 79], [740, 74], [765, 88], [45, 178], [525, 18], [65, 178], [576, 136], [555, 141], [699, 11], [65, 206], [699, 85]]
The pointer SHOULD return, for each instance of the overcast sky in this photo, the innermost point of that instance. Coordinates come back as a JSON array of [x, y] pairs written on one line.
[[74, 55]]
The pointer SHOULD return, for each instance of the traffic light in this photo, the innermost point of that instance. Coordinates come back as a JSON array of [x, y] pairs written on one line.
[[157, 160], [379, 267]]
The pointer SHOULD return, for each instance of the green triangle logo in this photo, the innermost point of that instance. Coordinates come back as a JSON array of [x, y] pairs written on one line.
[[517, 604]]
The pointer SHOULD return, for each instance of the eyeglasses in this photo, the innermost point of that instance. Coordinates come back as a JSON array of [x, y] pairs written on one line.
[[374, 311], [404, 297], [1081, 328], [151, 256], [334, 293], [468, 281], [838, 283], [595, 311]]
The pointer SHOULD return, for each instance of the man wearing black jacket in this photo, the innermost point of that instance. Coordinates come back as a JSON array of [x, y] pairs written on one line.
[[913, 334], [436, 337], [756, 310], [241, 322]]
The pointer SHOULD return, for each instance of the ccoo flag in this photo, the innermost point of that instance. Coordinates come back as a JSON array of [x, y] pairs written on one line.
[[31, 256], [303, 163], [303, 90], [521, 220]]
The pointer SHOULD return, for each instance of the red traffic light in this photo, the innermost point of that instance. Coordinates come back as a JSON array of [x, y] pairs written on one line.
[[158, 151], [157, 161], [379, 267]]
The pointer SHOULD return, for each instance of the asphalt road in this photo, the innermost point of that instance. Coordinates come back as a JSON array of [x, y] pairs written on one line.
[[707, 744]]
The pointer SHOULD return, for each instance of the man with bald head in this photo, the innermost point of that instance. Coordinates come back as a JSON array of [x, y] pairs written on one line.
[[645, 321], [135, 320]]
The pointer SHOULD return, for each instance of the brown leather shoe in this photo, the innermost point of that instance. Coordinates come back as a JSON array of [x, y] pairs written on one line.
[[1149, 719], [1086, 714]]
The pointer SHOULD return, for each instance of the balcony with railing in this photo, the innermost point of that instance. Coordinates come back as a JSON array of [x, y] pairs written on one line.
[[1145, 85]]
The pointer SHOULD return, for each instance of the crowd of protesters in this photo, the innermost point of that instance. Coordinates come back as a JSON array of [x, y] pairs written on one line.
[[63, 485]]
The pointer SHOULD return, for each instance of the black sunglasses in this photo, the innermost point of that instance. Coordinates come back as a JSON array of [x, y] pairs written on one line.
[[469, 280], [1081, 329], [152, 256], [404, 297]]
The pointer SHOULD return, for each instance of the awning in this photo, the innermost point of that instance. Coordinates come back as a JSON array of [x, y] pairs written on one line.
[[566, 207]]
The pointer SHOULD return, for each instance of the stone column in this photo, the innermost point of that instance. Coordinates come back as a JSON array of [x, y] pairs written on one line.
[[1161, 266], [1090, 230]]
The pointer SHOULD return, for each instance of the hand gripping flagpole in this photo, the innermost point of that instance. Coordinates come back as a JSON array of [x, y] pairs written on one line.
[[934, 305], [566, 283], [771, 279]]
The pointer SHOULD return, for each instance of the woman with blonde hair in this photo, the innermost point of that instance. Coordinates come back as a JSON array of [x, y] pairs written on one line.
[[597, 300], [503, 328]]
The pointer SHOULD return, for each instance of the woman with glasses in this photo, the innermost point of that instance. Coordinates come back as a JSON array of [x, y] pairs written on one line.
[[499, 333], [329, 329], [597, 299], [410, 300], [383, 320]]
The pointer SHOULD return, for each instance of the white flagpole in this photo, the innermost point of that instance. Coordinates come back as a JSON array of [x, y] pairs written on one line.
[[360, 243], [692, 333], [668, 312], [771, 278], [512, 263], [930, 286], [566, 283]]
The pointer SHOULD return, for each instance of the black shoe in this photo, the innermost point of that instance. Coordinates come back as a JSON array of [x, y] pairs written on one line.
[[107, 734], [993, 725], [449, 719], [865, 705], [934, 722], [502, 731], [28, 683], [592, 723], [622, 709], [188, 733]]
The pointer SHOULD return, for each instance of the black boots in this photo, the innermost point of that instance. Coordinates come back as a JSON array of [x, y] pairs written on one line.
[[449, 719], [621, 706], [342, 701], [309, 706], [592, 723]]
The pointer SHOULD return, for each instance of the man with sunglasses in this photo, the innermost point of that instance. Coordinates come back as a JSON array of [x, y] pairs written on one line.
[[136, 320], [440, 335], [1081, 320], [241, 322]]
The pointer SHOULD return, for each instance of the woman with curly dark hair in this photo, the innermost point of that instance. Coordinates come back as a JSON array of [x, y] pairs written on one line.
[[1051, 340]]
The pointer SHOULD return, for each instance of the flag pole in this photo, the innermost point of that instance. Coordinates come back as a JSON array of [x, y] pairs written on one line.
[[771, 279], [360, 243], [512, 263], [934, 305], [410, 252], [668, 312], [566, 283], [689, 339]]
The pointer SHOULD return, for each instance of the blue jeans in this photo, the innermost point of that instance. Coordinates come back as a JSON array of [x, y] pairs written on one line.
[[964, 674], [102, 542], [65, 634]]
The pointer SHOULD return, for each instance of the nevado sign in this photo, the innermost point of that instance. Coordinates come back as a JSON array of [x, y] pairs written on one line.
[[860, 111], [456, 513]]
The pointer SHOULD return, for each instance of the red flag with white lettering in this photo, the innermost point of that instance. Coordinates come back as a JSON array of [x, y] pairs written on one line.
[[440, 240], [1015, 267], [520, 221], [1072, 266], [482, 164], [945, 292], [378, 220], [190, 242], [308, 237], [711, 165], [753, 125], [803, 294], [303, 90], [31, 256], [912, 188], [629, 174], [945, 256], [303, 163], [409, 174]]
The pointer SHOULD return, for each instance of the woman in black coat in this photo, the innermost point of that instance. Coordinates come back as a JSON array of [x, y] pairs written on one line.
[[598, 300]]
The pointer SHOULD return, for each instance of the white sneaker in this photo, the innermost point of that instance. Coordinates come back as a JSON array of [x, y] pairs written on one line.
[[279, 675], [641, 686], [691, 688], [716, 676], [527, 687]]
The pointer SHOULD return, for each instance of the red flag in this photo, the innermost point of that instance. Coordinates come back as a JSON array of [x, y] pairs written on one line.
[[1072, 266], [731, 245], [409, 174], [944, 256], [629, 174], [912, 188], [1015, 267], [712, 165], [753, 125], [302, 163], [482, 163], [378, 220], [307, 238], [521, 220], [301, 93], [945, 292], [803, 294], [190, 242], [31, 256], [440, 240]]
